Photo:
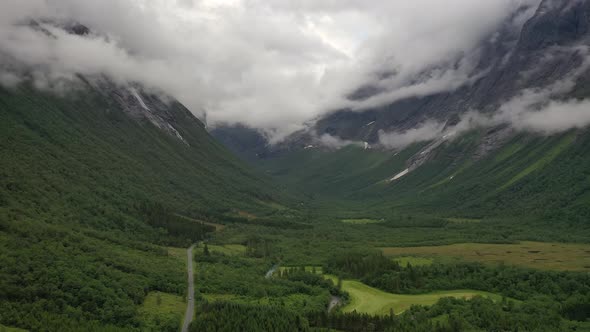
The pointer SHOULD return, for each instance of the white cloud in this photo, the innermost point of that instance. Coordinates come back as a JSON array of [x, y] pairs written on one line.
[[269, 64], [557, 116], [542, 111], [334, 142]]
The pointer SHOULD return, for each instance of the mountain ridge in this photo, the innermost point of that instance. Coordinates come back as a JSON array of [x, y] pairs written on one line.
[[547, 60], [528, 54]]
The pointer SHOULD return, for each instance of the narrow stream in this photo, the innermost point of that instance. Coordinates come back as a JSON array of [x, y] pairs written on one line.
[[271, 271]]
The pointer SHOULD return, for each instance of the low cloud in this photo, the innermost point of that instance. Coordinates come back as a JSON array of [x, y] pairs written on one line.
[[272, 65], [425, 132], [9, 80], [542, 111], [530, 111], [334, 142]]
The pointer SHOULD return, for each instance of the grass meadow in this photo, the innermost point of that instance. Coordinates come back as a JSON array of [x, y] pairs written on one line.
[[366, 299], [538, 255]]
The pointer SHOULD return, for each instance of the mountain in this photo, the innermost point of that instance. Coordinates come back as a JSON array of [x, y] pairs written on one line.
[[482, 171], [95, 179], [525, 52], [156, 146], [248, 143]]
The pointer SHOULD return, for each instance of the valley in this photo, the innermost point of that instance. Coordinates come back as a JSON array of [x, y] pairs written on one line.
[[368, 300], [219, 190], [537, 255]]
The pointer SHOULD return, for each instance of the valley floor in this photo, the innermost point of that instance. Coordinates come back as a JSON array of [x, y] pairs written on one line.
[[538, 255], [369, 300]]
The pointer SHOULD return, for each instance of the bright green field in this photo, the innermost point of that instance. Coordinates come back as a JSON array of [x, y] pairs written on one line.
[[10, 329], [227, 249], [366, 299], [159, 307], [361, 221]]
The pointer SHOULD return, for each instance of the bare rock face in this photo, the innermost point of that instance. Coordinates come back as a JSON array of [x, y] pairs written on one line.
[[139, 104], [526, 52], [493, 140]]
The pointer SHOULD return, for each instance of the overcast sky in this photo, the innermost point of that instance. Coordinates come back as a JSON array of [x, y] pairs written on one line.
[[270, 64]]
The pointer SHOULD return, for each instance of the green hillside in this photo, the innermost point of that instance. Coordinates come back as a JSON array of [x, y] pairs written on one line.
[[512, 180], [87, 197]]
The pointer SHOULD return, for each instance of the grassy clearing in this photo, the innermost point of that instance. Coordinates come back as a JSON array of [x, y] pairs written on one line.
[[539, 255], [318, 269], [295, 301], [361, 221], [462, 220], [228, 249], [366, 299], [161, 307], [246, 215], [10, 329], [415, 261]]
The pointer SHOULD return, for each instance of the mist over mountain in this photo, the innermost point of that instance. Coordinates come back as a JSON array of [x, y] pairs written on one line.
[[294, 166], [529, 71], [497, 137]]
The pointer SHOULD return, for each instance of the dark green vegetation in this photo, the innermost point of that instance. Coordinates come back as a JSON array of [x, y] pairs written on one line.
[[511, 178], [518, 283], [86, 200], [454, 197], [233, 291], [90, 197], [508, 184], [229, 317]]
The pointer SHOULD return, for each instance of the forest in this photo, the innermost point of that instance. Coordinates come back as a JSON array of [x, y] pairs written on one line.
[[104, 224]]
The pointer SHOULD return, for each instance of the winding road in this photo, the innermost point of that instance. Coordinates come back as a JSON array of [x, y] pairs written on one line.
[[190, 303], [334, 302]]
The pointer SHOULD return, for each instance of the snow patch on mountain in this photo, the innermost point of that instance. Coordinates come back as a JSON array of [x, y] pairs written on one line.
[[400, 175]]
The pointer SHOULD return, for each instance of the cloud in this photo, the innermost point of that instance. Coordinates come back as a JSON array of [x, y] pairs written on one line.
[[427, 131], [523, 113], [557, 116], [542, 111], [271, 65], [334, 142]]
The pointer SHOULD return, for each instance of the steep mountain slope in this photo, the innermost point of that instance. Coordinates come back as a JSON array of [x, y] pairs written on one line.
[[102, 143], [90, 184], [490, 170]]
